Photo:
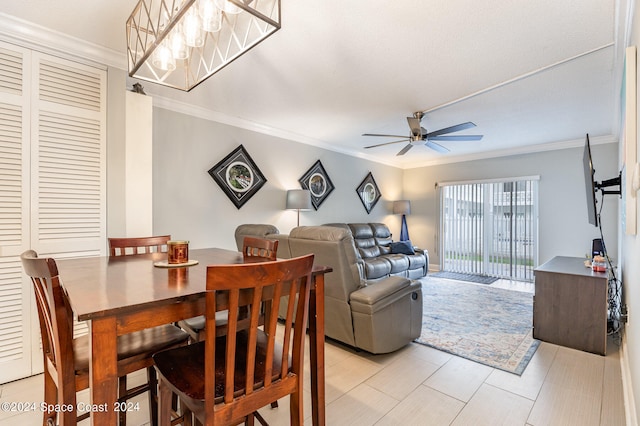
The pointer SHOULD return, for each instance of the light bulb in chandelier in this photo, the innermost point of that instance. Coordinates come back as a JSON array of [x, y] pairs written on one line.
[[228, 7], [179, 46], [211, 16], [163, 58], [192, 29]]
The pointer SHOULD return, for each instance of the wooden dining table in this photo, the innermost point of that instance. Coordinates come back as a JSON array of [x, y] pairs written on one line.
[[120, 295]]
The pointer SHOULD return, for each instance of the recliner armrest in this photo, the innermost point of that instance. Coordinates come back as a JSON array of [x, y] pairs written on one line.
[[425, 253], [381, 294]]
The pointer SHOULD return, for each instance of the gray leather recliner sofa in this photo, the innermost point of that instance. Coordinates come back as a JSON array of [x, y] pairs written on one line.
[[378, 316], [384, 257]]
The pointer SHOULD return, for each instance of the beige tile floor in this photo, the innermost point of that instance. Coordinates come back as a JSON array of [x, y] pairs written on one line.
[[418, 385]]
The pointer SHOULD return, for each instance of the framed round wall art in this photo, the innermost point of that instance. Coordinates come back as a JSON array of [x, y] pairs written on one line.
[[318, 183], [368, 192], [238, 176]]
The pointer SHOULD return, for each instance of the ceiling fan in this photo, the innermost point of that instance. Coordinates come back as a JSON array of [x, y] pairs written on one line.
[[420, 136]]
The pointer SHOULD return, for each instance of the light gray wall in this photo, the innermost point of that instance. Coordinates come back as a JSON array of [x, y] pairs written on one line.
[[563, 225], [189, 204]]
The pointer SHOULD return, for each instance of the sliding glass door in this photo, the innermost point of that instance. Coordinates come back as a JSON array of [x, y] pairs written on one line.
[[490, 228]]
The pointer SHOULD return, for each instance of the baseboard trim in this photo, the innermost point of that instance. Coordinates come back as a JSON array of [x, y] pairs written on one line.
[[630, 413], [434, 267]]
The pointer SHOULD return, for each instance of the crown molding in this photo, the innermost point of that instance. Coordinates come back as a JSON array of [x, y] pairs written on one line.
[[219, 117], [27, 34]]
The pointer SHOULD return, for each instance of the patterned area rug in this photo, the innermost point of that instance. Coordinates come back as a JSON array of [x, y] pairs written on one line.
[[491, 326], [480, 279]]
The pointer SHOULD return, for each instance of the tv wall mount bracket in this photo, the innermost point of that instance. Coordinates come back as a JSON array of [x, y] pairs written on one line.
[[616, 181]]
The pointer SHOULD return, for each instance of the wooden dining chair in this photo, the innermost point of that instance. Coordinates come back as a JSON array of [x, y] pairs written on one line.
[[66, 359], [259, 249], [133, 246], [245, 369], [138, 245], [253, 250]]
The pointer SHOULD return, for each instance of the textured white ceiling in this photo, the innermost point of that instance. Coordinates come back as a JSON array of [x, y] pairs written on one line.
[[520, 70]]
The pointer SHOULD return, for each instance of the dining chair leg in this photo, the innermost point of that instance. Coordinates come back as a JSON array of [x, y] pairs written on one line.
[[49, 398], [122, 390], [187, 417], [152, 379], [67, 417], [260, 419], [295, 408], [164, 402]]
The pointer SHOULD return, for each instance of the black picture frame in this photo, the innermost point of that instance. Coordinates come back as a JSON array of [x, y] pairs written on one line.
[[238, 176], [368, 192], [317, 181]]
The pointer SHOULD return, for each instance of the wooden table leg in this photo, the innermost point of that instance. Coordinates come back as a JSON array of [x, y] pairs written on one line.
[[316, 349], [103, 371]]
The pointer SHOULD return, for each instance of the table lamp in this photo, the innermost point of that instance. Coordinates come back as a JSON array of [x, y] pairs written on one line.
[[403, 207], [299, 199]]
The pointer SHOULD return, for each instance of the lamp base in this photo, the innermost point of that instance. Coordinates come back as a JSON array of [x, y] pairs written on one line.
[[404, 230]]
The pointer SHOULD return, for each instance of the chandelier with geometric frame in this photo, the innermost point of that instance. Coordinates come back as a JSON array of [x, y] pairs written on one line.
[[181, 43]]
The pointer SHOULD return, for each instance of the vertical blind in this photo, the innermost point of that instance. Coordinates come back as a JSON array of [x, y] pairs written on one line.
[[490, 228]]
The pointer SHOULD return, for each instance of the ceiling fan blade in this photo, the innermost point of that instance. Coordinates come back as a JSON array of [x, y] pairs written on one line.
[[386, 136], [386, 143], [455, 138], [456, 128], [414, 125], [404, 150], [436, 146]]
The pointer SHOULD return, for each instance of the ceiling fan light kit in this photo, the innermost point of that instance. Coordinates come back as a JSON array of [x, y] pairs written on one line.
[[181, 43], [420, 136]]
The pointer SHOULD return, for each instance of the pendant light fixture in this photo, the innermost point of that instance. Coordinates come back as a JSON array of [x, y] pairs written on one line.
[[181, 43]]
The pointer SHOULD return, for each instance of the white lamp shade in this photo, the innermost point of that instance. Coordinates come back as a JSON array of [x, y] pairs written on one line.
[[299, 199], [402, 207]]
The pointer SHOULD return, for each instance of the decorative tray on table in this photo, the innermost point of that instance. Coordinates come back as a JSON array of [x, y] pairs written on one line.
[[166, 264]]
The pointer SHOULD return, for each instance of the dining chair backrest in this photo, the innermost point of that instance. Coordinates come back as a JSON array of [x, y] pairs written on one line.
[[252, 285], [138, 245], [56, 324], [255, 248]]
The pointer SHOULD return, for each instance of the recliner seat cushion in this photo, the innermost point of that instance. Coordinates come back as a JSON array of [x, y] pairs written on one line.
[[377, 267], [416, 261], [399, 262]]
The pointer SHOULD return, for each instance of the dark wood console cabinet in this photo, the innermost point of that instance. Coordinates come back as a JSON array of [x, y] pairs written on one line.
[[570, 305]]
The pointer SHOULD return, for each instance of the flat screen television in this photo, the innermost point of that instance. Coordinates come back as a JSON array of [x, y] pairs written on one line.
[[590, 183]]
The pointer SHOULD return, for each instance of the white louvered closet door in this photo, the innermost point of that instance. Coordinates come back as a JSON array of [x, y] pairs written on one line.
[[16, 329], [68, 119], [52, 183]]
